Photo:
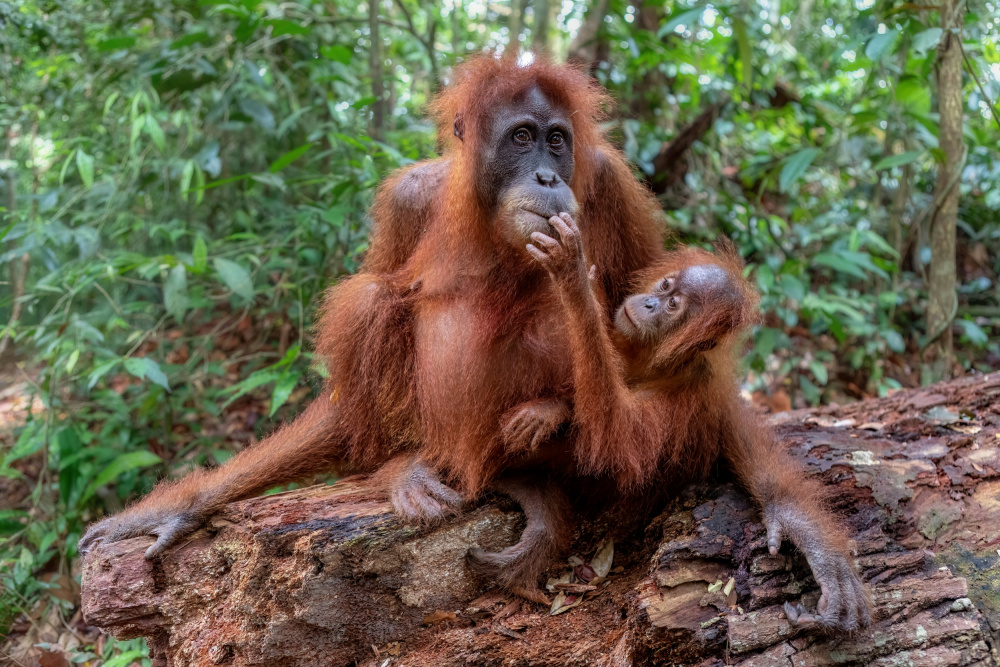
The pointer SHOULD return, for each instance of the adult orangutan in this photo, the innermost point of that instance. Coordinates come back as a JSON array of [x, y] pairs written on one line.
[[659, 402], [453, 328]]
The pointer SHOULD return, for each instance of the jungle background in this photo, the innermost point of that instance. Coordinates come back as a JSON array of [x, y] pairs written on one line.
[[179, 182]]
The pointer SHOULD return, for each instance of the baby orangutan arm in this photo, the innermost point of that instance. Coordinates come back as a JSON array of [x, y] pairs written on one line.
[[619, 431], [792, 507]]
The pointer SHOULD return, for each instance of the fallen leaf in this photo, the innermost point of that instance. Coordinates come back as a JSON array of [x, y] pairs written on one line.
[[968, 429], [871, 426], [502, 629], [729, 586], [436, 617], [601, 562], [941, 415], [717, 586]]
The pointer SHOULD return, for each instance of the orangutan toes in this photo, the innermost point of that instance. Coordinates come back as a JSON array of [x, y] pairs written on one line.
[[418, 496]]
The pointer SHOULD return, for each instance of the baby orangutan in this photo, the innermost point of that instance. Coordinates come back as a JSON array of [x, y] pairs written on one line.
[[657, 402]]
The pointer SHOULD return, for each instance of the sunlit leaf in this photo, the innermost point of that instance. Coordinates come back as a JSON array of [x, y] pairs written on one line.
[[881, 44], [684, 18], [926, 40], [282, 390], [146, 368]]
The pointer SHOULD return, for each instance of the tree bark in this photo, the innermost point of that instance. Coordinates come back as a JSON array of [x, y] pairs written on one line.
[[515, 24], [943, 299], [326, 576]]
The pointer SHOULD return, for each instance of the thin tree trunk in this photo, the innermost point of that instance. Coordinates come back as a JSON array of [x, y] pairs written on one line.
[[540, 32], [515, 24], [586, 46], [456, 29], [375, 70], [943, 300]]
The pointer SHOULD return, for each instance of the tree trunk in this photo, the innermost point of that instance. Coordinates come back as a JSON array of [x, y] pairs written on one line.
[[540, 29], [943, 299], [515, 24], [375, 71], [326, 576], [588, 47]]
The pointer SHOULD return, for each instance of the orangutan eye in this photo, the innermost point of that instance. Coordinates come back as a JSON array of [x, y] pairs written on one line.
[[522, 137], [556, 140], [665, 285], [672, 303]]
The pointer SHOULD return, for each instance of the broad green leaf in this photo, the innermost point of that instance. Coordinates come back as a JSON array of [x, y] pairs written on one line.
[[74, 356], [337, 53], [684, 18], [100, 371], [837, 262], [85, 165], [282, 390], [897, 160], [894, 340], [795, 166], [199, 255], [288, 158], [116, 43], [235, 277], [260, 113], [154, 131], [186, 174], [913, 95], [819, 372], [65, 167], [146, 368], [175, 293], [281, 27], [972, 332], [926, 40], [880, 45], [122, 464]]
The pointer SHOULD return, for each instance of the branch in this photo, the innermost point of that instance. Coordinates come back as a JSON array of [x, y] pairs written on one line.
[[327, 576]]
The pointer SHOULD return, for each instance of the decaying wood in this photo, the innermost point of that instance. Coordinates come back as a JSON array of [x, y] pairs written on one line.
[[326, 576]]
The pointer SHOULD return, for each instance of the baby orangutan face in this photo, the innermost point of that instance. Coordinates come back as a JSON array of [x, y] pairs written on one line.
[[677, 297]]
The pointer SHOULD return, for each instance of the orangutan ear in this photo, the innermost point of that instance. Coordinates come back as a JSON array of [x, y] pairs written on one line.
[[459, 127]]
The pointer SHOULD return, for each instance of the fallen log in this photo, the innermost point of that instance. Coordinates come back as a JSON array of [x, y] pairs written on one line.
[[327, 576]]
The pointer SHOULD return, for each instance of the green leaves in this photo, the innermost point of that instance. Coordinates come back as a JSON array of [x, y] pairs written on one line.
[[337, 53], [881, 44], [235, 277], [926, 40], [897, 160], [684, 18], [122, 464], [175, 293], [259, 113], [85, 166], [795, 167], [145, 368], [288, 158]]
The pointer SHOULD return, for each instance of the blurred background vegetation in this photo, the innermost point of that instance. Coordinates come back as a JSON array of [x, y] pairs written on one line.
[[180, 180]]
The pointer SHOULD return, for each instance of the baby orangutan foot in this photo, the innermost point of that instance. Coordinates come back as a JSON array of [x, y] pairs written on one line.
[[528, 425], [416, 492], [844, 603]]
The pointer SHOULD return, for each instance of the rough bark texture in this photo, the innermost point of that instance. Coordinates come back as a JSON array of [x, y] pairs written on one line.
[[326, 576]]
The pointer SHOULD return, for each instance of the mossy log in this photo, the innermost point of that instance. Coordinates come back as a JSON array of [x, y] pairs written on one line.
[[327, 576]]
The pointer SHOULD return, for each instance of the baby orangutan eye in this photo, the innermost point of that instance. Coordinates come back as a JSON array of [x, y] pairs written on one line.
[[672, 303], [665, 285]]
